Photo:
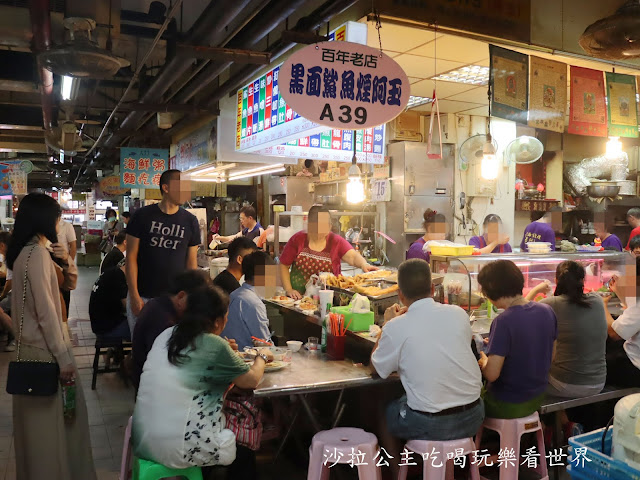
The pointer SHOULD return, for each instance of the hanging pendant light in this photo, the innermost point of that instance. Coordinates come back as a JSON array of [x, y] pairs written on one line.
[[614, 148], [489, 164], [355, 187]]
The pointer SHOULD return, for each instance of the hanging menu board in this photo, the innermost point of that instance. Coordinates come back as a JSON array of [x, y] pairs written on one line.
[[266, 125]]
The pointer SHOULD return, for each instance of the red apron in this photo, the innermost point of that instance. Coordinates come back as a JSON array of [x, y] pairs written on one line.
[[307, 263]]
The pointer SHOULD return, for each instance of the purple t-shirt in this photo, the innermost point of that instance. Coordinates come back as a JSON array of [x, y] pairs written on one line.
[[415, 250], [481, 242], [612, 241], [538, 232], [524, 335]]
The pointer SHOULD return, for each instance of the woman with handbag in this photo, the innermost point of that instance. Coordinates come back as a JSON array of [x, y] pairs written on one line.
[[47, 444]]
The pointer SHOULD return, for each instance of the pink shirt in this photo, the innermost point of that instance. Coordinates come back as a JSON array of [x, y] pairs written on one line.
[[336, 246]]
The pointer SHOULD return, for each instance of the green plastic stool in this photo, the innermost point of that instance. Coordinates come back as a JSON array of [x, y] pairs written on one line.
[[148, 470]]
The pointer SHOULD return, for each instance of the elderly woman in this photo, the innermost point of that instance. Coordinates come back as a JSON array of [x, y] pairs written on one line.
[[521, 344], [317, 250], [47, 444]]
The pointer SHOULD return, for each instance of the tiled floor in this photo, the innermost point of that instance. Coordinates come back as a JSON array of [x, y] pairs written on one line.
[[110, 405]]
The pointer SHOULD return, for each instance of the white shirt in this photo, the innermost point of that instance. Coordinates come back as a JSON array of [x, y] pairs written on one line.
[[66, 234], [627, 326], [430, 348]]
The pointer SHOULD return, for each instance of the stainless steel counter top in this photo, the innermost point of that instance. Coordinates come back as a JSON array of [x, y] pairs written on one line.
[[315, 372]]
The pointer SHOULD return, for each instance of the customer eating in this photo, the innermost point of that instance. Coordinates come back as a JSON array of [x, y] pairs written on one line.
[[429, 345], [178, 419], [521, 343], [634, 246], [493, 239], [435, 227], [317, 250], [229, 279]]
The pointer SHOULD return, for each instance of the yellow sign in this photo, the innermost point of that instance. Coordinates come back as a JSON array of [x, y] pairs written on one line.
[[110, 186]]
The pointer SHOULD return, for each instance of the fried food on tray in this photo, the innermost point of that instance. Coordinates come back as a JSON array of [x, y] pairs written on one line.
[[375, 291], [307, 306]]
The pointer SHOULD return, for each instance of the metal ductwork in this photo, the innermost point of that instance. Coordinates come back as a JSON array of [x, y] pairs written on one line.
[[208, 29], [41, 26]]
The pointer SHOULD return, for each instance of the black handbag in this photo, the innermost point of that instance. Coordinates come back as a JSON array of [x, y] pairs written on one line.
[[31, 377]]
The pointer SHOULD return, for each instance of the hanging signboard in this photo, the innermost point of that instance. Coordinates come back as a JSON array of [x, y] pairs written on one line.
[[13, 177], [509, 79], [622, 110], [587, 109], [197, 148], [344, 85], [142, 167], [110, 186]]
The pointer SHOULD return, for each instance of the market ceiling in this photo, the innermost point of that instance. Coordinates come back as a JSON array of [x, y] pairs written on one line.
[[235, 40]]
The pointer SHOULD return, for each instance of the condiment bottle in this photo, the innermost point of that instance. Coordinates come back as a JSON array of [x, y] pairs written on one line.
[[323, 337]]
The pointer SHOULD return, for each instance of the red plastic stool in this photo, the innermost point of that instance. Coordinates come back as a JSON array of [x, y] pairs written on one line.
[[511, 431], [338, 446], [446, 450]]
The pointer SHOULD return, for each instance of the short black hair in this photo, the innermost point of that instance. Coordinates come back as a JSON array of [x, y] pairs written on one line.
[[125, 215], [5, 237], [249, 211], [414, 279], [252, 262], [189, 281], [634, 212], [239, 245], [501, 278], [120, 238], [633, 243], [109, 211], [167, 176]]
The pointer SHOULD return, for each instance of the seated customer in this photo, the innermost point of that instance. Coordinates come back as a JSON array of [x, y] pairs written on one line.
[[178, 419], [229, 279], [116, 254], [429, 345], [579, 367], [161, 313], [107, 305], [623, 367], [247, 312], [521, 342], [634, 246]]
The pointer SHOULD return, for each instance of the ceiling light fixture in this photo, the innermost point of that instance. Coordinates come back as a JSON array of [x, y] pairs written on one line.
[[355, 187], [614, 148], [67, 90], [214, 168], [209, 179], [471, 75], [415, 101], [489, 163], [247, 173]]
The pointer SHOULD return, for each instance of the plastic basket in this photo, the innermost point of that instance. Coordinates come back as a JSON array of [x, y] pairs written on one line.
[[602, 465], [451, 250]]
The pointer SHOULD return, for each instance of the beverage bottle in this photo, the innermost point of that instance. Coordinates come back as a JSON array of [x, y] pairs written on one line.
[[68, 399], [323, 337]]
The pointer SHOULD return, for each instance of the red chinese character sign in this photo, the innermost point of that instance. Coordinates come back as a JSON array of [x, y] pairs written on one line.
[[344, 85], [142, 167]]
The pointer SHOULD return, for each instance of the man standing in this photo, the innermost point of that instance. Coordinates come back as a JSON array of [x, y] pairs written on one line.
[[67, 238], [116, 254], [229, 279], [162, 242], [250, 227], [633, 218]]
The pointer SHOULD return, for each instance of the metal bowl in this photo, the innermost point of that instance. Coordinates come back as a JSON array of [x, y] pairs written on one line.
[[598, 191]]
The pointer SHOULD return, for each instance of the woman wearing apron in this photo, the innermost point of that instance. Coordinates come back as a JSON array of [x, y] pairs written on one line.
[[493, 239], [315, 251]]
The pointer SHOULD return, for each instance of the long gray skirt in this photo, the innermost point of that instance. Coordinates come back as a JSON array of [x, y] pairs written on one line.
[[46, 446]]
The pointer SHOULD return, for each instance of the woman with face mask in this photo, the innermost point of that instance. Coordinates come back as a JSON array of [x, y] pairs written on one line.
[[315, 251]]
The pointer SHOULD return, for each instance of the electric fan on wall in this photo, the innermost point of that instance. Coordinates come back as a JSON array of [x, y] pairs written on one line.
[[472, 150], [523, 150]]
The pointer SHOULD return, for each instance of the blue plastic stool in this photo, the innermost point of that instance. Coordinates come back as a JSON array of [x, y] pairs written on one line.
[[149, 470]]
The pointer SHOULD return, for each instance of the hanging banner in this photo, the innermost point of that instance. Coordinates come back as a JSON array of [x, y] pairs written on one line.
[[142, 167], [344, 85], [621, 106], [197, 148], [588, 113], [110, 186], [13, 177], [547, 94], [509, 72]]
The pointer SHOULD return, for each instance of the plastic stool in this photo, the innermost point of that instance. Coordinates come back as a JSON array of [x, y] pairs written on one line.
[[339, 443], [125, 463], [438, 472], [148, 470], [511, 431]]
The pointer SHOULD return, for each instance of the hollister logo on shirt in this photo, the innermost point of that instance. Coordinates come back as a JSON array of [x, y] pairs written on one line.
[[158, 228]]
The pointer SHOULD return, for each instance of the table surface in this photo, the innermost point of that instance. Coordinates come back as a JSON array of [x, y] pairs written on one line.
[[315, 372]]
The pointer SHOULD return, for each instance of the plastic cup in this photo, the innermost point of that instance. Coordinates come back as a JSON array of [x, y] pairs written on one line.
[[335, 346], [326, 296], [312, 344]]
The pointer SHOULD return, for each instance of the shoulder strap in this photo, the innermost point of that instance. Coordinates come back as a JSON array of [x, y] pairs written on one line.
[[24, 300]]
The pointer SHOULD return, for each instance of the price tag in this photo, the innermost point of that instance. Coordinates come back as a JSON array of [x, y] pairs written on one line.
[[381, 191]]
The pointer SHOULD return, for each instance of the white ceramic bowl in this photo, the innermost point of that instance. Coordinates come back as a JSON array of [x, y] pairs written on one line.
[[294, 345]]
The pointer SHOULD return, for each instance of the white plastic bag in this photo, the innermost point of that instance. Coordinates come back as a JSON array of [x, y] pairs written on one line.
[[312, 287], [360, 304]]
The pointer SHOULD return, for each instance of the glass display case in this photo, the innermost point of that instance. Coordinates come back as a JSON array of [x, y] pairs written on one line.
[[461, 273]]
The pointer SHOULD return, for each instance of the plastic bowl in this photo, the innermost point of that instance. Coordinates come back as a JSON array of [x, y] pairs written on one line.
[[294, 345]]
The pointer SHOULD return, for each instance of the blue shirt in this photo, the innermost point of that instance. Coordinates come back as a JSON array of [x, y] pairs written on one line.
[[247, 317]]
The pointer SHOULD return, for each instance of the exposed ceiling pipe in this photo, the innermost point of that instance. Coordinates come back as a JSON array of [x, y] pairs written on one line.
[[209, 29], [248, 38], [41, 27]]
